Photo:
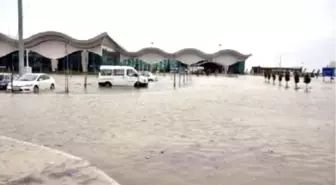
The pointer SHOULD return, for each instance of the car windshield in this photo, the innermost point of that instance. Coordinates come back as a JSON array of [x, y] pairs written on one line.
[[28, 77], [2, 77]]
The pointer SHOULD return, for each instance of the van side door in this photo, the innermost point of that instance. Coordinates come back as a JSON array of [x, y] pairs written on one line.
[[119, 77], [132, 77]]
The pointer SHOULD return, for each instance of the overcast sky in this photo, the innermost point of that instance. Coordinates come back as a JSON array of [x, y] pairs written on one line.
[[303, 31]]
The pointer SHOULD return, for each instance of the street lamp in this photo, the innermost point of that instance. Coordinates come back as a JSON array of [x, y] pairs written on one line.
[[223, 66], [150, 64], [20, 34]]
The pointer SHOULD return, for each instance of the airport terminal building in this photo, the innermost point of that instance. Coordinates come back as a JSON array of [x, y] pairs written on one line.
[[54, 51]]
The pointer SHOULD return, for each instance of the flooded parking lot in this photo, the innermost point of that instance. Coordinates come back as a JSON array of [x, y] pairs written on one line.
[[213, 130]]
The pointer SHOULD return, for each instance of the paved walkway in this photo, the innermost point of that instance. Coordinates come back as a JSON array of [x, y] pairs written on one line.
[[29, 164]]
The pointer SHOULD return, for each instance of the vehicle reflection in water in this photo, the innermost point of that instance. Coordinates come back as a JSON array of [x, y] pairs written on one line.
[[214, 130]]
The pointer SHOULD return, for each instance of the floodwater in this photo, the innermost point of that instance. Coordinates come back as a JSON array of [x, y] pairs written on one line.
[[213, 130]]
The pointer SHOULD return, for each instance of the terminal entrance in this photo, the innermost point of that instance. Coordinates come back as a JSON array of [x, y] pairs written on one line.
[[210, 67], [169, 65], [37, 62], [110, 58], [73, 62], [95, 61]]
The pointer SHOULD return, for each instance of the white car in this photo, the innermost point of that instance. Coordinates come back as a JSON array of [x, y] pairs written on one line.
[[151, 77], [32, 82], [120, 76]]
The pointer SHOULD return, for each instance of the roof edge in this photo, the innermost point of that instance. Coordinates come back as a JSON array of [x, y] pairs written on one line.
[[64, 37]]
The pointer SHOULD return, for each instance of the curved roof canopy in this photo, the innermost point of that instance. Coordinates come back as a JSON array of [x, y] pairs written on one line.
[[97, 40]]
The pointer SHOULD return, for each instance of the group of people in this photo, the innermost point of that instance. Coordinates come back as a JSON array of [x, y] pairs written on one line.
[[268, 74]]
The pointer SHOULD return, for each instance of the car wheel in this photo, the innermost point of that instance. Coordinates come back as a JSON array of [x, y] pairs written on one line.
[[52, 87], [137, 84], [36, 89], [108, 84]]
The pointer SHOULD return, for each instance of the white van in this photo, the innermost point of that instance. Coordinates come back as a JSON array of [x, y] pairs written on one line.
[[120, 76]]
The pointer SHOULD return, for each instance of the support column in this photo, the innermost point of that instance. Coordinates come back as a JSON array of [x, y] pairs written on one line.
[[85, 60], [54, 65], [27, 58], [225, 69], [27, 68]]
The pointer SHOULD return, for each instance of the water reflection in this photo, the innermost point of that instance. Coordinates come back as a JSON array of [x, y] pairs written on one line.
[[213, 130]]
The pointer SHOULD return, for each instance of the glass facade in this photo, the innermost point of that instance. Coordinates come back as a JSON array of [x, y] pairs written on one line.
[[237, 68], [162, 66], [72, 61], [168, 65], [95, 61], [37, 62], [136, 63], [110, 58]]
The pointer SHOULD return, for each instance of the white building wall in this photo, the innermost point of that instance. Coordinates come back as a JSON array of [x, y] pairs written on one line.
[[49, 49], [98, 50], [108, 48], [58, 49], [6, 48], [189, 58], [123, 57], [151, 58], [54, 64], [225, 60], [85, 60], [53, 49], [108, 45]]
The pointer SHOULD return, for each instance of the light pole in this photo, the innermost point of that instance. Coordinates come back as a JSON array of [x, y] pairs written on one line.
[[20, 34], [150, 64], [223, 67]]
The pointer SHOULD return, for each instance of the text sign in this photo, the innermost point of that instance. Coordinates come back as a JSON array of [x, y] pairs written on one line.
[[328, 71]]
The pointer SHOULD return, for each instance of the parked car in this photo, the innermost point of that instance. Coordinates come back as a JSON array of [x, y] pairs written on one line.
[[5, 78], [120, 76], [150, 76], [32, 82]]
